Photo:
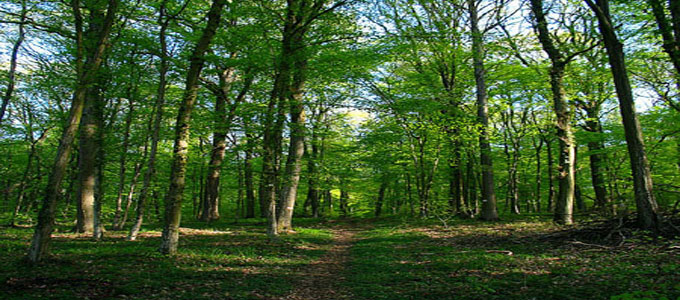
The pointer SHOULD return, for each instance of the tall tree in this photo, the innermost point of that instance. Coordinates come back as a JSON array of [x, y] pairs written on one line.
[[164, 20], [173, 200], [489, 210], [647, 207], [559, 60], [89, 57]]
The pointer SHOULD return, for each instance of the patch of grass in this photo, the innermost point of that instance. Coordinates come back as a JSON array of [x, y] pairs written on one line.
[[215, 261], [505, 260]]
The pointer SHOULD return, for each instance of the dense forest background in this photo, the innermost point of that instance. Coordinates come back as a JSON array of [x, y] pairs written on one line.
[[116, 113]]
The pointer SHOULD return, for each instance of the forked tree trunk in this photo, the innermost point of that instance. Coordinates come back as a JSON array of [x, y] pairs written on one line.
[[87, 72]]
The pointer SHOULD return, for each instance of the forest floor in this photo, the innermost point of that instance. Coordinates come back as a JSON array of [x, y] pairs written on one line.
[[388, 258]]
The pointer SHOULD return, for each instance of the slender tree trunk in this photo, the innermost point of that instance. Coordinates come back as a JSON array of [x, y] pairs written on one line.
[[11, 75], [173, 204], [117, 225], [647, 208], [489, 210], [537, 201], [381, 198], [87, 73], [344, 199], [163, 70], [670, 31], [248, 174], [130, 194], [551, 172]]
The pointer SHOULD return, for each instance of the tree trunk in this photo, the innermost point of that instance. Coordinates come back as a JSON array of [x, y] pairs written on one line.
[[670, 31], [87, 73], [117, 225], [597, 157], [248, 176], [173, 204], [163, 70], [381, 198], [537, 201], [551, 172], [344, 199], [13, 63], [565, 196], [642, 180], [489, 210], [210, 207]]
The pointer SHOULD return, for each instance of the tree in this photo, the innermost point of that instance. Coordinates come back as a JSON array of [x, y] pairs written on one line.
[[173, 199], [559, 59], [88, 61], [642, 180]]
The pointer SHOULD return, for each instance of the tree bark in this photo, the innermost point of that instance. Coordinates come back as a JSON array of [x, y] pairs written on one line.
[[670, 31], [87, 73], [489, 210], [381, 198], [248, 175], [173, 202], [597, 157], [647, 208], [210, 204], [565, 197]]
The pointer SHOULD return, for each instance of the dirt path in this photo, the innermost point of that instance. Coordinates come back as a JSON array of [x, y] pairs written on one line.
[[322, 279]]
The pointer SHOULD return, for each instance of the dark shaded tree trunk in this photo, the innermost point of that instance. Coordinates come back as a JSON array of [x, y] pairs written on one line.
[[344, 203], [381, 198], [248, 176], [551, 171], [538, 146], [597, 156], [173, 202], [670, 33], [225, 112], [647, 208]]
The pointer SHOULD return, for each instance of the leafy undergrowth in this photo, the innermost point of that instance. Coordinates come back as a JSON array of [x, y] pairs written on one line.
[[508, 260], [220, 262]]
